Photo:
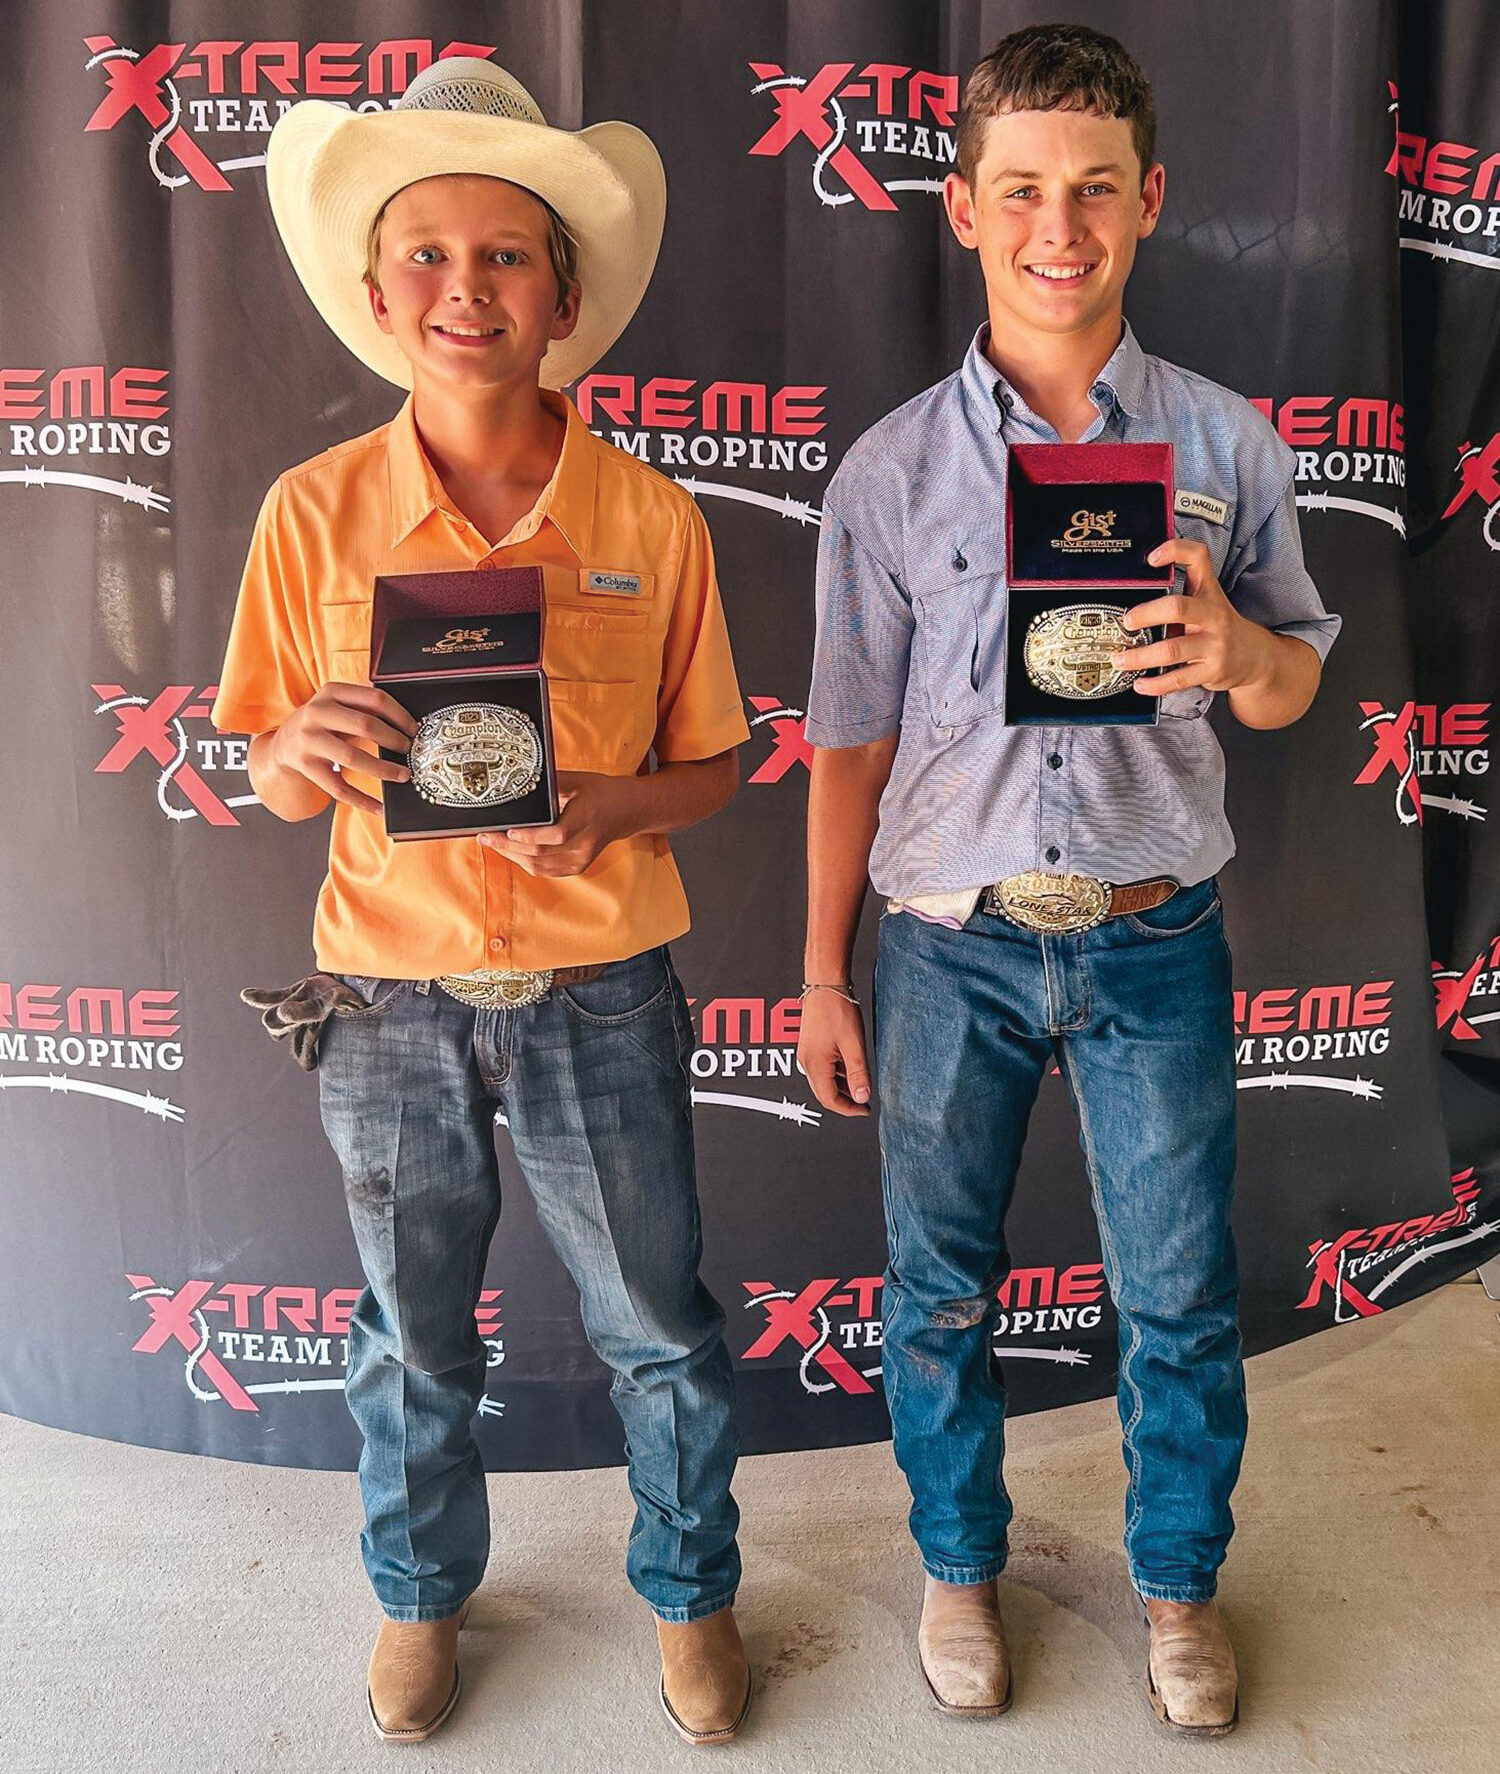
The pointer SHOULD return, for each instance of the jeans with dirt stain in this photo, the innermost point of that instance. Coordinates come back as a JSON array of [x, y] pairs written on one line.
[[594, 1084], [1138, 1015]]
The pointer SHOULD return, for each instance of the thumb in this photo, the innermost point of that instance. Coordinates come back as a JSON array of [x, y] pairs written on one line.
[[856, 1073]]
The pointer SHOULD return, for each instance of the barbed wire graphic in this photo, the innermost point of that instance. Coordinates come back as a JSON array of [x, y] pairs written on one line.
[[1360, 507], [798, 510], [64, 1084], [131, 491], [1361, 1087]]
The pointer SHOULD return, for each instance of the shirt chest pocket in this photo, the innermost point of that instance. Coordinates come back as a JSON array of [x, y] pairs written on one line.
[[346, 641], [959, 646]]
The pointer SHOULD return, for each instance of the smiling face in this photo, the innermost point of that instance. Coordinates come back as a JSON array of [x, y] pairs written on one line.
[[1057, 206], [466, 282]]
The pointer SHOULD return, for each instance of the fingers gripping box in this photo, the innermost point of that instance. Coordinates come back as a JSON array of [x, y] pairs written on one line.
[[1080, 520], [462, 653]]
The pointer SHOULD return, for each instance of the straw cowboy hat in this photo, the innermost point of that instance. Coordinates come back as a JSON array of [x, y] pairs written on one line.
[[330, 171]]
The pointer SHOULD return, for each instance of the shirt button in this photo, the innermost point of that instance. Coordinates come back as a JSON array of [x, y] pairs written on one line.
[[1054, 760], [1053, 853], [497, 943]]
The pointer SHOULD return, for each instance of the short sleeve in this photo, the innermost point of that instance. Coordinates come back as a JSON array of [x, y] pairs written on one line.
[[268, 669], [699, 710], [863, 647], [1266, 580]]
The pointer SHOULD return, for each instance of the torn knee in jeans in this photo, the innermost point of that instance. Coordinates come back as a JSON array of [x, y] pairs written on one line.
[[961, 1314], [369, 1188]]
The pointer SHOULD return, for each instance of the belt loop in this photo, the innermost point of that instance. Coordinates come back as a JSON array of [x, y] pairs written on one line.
[[424, 986]]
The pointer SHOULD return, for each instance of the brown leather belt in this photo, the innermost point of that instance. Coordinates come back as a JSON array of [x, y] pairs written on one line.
[[1064, 904]]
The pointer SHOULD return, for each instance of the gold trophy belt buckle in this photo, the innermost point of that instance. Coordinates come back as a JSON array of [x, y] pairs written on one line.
[[497, 989], [1052, 905]]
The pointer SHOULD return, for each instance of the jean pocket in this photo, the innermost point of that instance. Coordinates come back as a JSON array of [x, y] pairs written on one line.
[[621, 991], [1186, 910], [378, 993]]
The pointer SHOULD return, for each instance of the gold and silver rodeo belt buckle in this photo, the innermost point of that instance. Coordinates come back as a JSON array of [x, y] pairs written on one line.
[[1052, 905], [475, 754], [1067, 652], [497, 990]]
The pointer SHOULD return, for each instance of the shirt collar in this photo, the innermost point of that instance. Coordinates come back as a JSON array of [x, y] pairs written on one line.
[[993, 397], [568, 502]]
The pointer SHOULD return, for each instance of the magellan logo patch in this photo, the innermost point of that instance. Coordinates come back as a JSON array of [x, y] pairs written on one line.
[[616, 584], [1189, 504]]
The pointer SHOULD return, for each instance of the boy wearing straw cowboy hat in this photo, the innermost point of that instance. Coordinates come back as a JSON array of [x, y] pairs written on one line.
[[468, 252]]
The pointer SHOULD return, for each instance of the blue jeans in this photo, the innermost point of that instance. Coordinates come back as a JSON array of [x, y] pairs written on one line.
[[1138, 1013], [594, 1084]]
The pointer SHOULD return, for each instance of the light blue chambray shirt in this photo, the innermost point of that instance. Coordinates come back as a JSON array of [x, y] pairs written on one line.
[[911, 619]]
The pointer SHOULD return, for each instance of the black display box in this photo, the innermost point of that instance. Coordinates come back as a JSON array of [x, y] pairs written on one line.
[[462, 641], [1080, 520]]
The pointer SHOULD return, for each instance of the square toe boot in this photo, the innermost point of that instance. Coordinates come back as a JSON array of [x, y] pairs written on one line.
[[1191, 1678], [961, 1645], [413, 1680], [705, 1677]]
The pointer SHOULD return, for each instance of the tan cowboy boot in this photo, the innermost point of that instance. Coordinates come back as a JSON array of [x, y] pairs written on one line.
[[962, 1650], [413, 1680], [1191, 1679], [705, 1677]]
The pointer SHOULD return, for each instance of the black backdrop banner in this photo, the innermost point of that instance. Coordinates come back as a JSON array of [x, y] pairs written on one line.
[[175, 1266]]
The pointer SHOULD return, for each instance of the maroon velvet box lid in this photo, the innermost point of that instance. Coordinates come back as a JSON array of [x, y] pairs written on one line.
[[471, 594], [1091, 466]]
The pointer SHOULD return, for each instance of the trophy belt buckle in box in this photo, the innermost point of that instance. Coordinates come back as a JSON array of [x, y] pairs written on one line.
[[462, 653], [1069, 650], [475, 754], [1081, 521]]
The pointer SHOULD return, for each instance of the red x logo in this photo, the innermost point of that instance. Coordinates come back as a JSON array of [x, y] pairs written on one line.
[[1391, 741], [143, 728], [1478, 475], [803, 111], [790, 747], [1453, 997], [793, 1319], [135, 85], [172, 1316], [1326, 1274]]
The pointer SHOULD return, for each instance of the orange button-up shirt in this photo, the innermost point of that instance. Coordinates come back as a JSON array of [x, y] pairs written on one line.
[[626, 677]]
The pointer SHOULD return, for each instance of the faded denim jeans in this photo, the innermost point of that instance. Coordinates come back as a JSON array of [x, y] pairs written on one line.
[[1138, 1014], [594, 1084]]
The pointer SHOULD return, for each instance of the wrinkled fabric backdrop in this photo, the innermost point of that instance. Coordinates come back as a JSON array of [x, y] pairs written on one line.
[[175, 1263]]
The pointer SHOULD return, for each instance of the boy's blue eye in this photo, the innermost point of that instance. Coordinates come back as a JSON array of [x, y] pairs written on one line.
[[417, 255], [507, 255]]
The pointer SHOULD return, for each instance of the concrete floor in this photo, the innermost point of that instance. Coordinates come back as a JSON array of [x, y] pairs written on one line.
[[169, 1613]]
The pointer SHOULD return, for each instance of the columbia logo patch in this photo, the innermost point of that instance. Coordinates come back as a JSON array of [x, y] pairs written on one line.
[[615, 584], [1200, 505]]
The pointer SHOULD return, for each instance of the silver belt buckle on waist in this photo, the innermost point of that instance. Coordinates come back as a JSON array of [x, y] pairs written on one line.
[[497, 989], [1051, 905]]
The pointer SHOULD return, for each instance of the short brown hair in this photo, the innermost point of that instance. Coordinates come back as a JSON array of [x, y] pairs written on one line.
[[1056, 68], [562, 249]]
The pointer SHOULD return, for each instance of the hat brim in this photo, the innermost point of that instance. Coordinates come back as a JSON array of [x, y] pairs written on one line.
[[330, 171]]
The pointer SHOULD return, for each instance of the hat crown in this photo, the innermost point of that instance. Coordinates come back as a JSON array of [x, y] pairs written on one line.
[[469, 83]]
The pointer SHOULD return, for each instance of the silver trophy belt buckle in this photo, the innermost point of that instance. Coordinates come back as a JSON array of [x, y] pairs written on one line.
[[1069, 651], [1051, 905], [497, 989]]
